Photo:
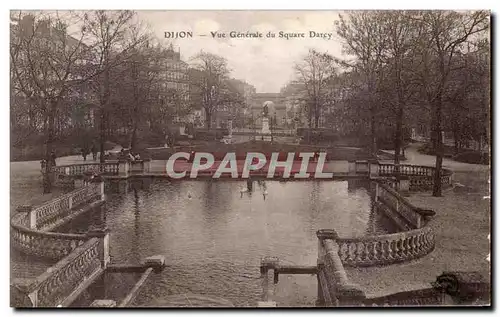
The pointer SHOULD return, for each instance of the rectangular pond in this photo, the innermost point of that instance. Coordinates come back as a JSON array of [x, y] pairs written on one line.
[[214, 234]]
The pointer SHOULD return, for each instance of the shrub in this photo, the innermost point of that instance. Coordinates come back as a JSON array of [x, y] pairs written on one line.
[[472, 157]]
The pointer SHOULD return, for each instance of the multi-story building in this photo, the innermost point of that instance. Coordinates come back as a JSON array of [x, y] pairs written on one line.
[[44, 37], [174, 81]]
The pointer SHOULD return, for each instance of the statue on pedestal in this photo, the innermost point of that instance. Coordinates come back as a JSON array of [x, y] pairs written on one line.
[[267, 111]]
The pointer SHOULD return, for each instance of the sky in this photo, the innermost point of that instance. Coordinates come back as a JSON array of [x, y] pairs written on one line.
[[266, 63]]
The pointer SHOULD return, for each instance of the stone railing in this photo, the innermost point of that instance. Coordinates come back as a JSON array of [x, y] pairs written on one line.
[[400, 209], [414, 241], [62, 284], [45, 216], [82, 258], [386, 249], [334, 287], [109, 168], [30, 227], [420, 177], [44, 244]]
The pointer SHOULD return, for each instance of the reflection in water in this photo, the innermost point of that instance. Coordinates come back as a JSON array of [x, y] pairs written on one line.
[[213, 235], [137, 213]]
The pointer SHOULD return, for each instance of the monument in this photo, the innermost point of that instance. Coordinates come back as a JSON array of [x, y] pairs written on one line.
[[267, 111]]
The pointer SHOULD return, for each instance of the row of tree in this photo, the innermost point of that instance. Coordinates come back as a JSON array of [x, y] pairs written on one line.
[[403, 69], [100, 74]]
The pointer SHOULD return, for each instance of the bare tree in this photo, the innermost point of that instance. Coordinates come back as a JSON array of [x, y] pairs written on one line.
[[444, 34], [209, 81], [111, 46], [364, 39], [315, 72], [398, 57], [44, 60]]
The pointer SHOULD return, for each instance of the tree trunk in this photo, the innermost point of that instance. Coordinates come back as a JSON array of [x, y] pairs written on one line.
[[437, 190], [103, 110], [47, 182], [208, 119], [373, 131], [398, 137], [133, 139], [316, 115], [456, 138], [102, 134], [135, 117]]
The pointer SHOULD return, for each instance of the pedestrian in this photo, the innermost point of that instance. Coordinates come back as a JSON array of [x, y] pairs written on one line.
[[53, 158], [94, 152], [85, 152]]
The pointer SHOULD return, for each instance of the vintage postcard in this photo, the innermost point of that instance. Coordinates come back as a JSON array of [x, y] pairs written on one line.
[[250, 158]]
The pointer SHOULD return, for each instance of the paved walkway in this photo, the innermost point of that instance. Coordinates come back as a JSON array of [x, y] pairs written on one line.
[[416, 158]]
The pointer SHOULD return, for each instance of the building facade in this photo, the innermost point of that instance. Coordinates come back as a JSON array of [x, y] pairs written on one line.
[[174, 81]]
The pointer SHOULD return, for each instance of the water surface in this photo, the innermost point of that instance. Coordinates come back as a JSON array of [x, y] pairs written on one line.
[[214, 234]]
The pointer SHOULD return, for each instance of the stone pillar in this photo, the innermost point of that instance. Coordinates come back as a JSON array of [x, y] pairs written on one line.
[[123, 168], [99, 187], [103, 235], [351, 295], [147, 165], [157, 262], [265, 129], [320, 301], [373, 168], [32, 217], [23, 294], [323, 234], [102, 190], [404, 185], [31, 214], [362, 167], [352, 167]]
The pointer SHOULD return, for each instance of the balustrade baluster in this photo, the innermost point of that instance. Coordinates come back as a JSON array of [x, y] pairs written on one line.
[[368, 253], [399, 249], [352, 253], [390, 255], [414, 246], [359, 252]]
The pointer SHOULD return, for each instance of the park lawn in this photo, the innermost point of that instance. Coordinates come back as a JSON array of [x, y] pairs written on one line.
[[26, 186]]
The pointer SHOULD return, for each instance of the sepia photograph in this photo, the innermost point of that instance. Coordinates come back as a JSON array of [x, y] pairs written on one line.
[[250, 158]]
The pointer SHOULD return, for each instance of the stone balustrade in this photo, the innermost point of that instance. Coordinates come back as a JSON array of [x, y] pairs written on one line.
[[386, 249], [334, 287], [44, 244], [63, 282], [335, 253], [412, 215], [30, 226], [82, 258], [421, 177], [110, 168], [46, 215]]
